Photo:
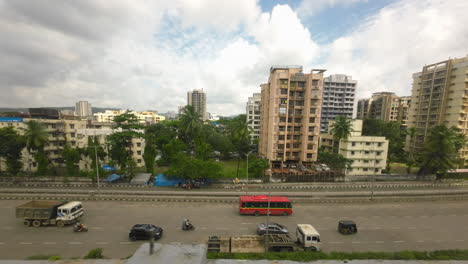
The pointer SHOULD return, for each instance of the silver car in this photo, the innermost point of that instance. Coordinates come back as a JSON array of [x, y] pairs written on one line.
[[273, 228]]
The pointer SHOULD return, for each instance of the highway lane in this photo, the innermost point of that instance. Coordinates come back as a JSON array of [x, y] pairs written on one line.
[[382, 227]]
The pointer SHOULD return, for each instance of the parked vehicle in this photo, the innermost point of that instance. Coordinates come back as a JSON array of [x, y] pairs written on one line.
[[38, 213], [273, 228], [347, 227], [143, 232], [258, 205]]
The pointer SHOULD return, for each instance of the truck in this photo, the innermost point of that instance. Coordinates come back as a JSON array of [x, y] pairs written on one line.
[[43, 213], [307, 239]]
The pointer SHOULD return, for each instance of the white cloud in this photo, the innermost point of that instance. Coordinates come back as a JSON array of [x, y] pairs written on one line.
[[398, 41]]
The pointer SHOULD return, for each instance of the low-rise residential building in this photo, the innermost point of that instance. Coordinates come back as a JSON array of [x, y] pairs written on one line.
[[368, 153], [146, 117]]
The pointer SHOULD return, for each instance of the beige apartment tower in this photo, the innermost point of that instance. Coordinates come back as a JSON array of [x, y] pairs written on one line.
[[197, 98], [439, 96], [384, 106], [290, 116]]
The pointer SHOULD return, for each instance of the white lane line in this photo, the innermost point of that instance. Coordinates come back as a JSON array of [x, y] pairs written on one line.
[[356, 242], [1, 243], [398, 241], [25, 243], [459, 240], [125, 243], [96, 227], [411, 227], [221, 228], [202, 228], [334, 242], [379, 242], [49, 243], [420, 241], [75, 243], [246, 223], [102, 243], [244, 228]]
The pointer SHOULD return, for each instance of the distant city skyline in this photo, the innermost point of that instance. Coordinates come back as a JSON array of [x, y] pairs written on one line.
[[147, 55]]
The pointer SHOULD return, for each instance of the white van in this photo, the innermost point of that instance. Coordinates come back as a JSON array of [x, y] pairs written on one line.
[[308, 237]]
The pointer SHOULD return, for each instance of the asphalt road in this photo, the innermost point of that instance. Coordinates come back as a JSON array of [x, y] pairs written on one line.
[[382, 227]]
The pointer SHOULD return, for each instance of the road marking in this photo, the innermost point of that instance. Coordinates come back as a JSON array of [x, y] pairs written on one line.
[[420, 241], [101, 243], [427, 227], [395, 228], [335, 242], [355, 242], [222, 228], [25, 243], [379, 242], [203, 228], [96, 227], [75, 243], [411, 227], [424, 216], [49, 243], [244, 228], [1, 243], [125, 243], [460, 240], [246, 223], [399, 241], [438, 241]]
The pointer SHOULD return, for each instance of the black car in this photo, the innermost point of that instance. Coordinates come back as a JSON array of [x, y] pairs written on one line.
[[273, 228], [142, 232], [347, 227]]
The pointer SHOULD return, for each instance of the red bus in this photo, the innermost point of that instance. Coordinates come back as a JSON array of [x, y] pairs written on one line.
[[258, 205]]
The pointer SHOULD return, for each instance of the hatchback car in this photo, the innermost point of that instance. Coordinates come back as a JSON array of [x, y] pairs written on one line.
[[143, 231], [273, 228], [347, 227]]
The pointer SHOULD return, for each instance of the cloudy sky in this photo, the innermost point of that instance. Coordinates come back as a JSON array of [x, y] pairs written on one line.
[[147, 54]]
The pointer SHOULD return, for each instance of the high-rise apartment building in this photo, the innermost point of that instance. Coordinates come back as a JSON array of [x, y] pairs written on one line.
[[338, 98], [385, 106], [83, 109], [253, 115], [290, 116], [439, 96], [197, 99]]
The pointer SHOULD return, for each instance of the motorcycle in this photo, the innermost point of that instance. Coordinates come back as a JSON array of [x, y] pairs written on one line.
[[80, 228], [187, 226]]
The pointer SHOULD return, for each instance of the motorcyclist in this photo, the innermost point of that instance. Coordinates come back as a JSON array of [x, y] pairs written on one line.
[[186, 224], [79, 226]]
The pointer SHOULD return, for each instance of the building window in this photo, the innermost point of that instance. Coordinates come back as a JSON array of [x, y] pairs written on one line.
[[284, 91], [376, 170], [309, 155], [72, 134], [366, 161], [311, 138], [280, 146], [138, 144], [353, 144], [282, 110], [379, 144], [72, 126], [281, 137], [283, 100], [352, 152], [311, 119], [366, 152], [367, 143], [139, 160], [310, 146], [311, 129], [312, 110], [139, 152], [365, 169], [282, 119]]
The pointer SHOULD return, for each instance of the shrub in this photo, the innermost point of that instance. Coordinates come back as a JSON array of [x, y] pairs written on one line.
[[40, 257], [53, 258], [94, 254]]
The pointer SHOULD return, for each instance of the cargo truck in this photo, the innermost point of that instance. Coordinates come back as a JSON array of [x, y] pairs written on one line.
[[308, 239], [42, 213]]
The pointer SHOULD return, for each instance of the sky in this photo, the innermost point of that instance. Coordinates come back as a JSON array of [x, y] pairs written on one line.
[[146, 55]]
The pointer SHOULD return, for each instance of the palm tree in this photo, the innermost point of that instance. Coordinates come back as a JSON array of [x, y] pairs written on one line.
[[340, 129], [440, 152], [240, 134], [190, 123], [36, 137]]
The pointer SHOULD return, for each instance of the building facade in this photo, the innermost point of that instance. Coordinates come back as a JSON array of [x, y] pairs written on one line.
[[385, 106], [145, 117], [197, 99], [338, 98], [290, 116], [439, 96], [367, 153], [83, 109], [253, 116], [75, 133]]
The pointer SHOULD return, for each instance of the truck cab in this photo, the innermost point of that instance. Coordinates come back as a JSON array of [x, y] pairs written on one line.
[[308, 237], [69, 212]]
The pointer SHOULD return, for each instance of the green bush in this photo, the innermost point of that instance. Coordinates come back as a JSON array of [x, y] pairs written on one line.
[[310, 256], [53, 258], [94, 254], [41, 257]]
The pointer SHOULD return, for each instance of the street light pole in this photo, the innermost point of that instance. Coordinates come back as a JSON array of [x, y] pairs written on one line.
[[97, 166], [247, 169], [267, 224]]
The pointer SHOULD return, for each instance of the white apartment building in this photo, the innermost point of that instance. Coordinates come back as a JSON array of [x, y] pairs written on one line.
[[338, 98], [197, 99], [146, 117], [253, 115], [368, 153], [83, 109]]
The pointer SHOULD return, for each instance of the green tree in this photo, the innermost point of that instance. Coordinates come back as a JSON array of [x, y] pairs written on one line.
[[186, 167], [36, 137], [93, 149], [190, 124], [411, 159], [203, 150], [340, 129], [392, 131], [120, 142], [240, 136], [170, 152], [440, 151], [72, 157], [156, 137], [334, 160], [257, 166], [11, 145]]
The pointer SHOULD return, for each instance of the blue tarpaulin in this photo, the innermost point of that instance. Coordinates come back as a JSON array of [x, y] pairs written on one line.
[[162, 181], [112, 177], [108, 168]]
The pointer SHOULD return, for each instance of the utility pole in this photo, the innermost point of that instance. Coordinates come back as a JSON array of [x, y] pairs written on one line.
[[267, 224], [97, 162]]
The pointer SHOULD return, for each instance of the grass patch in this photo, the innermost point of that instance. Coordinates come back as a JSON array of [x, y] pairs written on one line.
[[400, 168], [44, 257], [230, 168], [311, 256], [94, 254]]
